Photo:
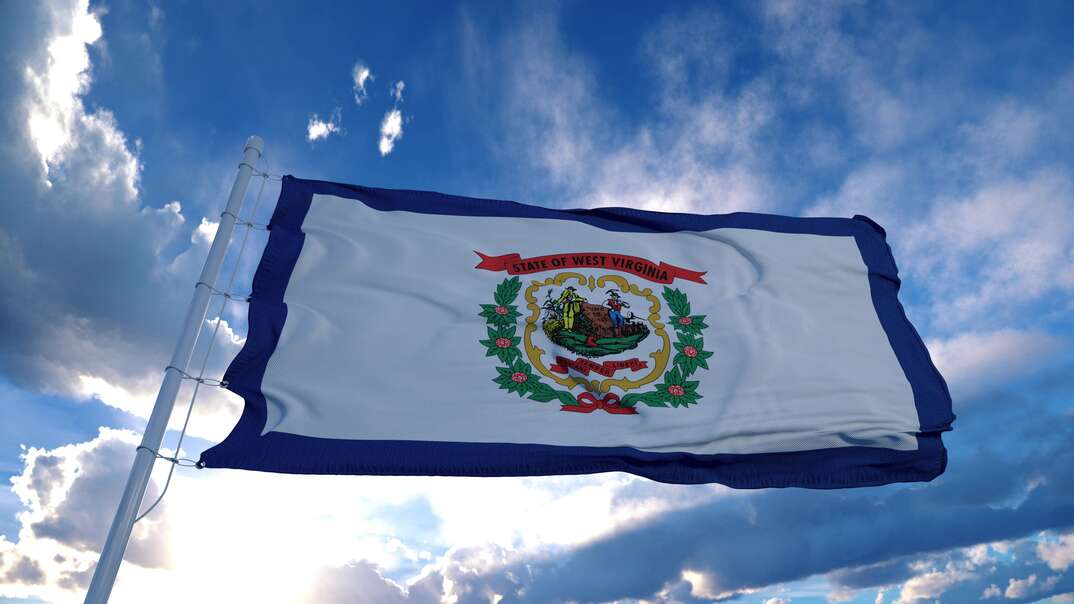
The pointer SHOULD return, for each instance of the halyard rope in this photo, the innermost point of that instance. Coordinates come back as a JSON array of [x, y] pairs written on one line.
[[200, 379]]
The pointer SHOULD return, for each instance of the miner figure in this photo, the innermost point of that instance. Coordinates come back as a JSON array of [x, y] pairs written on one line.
[[615, 307]]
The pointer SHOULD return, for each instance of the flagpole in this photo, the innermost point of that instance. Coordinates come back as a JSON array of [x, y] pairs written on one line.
[[104, 576]]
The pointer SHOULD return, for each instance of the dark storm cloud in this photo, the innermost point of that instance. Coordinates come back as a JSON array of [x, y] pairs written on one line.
[[82, 518], [45, 474], [1012, 583], [84, 291], [79, 580], [25, 570], [70, 494], [361, 583], [887, 572], [1011, 571], [992, 491]]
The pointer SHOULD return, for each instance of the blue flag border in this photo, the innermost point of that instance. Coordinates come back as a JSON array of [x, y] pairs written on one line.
[[840, 467]]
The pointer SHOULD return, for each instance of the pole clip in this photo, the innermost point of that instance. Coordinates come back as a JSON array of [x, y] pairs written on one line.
[[228, 295], [179, 461], [266, 175], [246, 223], [199, 379]]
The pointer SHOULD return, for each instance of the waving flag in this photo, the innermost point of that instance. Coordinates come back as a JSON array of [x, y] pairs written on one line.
[[405, 332]]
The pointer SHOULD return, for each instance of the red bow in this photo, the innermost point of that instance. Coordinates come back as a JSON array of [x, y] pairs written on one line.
[[587, 403]]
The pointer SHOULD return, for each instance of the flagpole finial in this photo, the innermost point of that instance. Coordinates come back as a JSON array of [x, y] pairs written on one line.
[[255, 142]]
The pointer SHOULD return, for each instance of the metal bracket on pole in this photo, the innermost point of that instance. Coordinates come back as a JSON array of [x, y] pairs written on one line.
[[104, 576]]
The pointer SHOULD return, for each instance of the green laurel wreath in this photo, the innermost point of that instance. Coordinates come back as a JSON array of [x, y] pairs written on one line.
[[516, 375], [675, 390]]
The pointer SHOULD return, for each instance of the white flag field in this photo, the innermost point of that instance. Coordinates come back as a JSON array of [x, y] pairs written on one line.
[[411, 333]]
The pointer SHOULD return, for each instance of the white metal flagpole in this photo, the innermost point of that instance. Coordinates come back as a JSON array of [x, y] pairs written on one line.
[[104, 576]]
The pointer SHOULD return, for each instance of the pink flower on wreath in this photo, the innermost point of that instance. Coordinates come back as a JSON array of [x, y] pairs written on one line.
[[676, 390], [503, 342], [501, 310], [689, 351], [685, 320], [519, 377]]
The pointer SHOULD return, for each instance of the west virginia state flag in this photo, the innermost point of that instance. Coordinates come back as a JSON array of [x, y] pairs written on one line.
[[405, 332]]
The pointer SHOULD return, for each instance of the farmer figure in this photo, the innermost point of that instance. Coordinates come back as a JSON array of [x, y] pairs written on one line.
[[615, 307], [572, 304]]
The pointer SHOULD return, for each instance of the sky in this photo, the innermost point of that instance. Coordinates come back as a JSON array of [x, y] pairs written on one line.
[[122, 123]]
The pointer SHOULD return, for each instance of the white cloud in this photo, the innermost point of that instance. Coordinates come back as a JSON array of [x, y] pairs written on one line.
[[226, 335], [977, 205], [873, 189], [114, 395], [391, 130], [698, 586], [992, 591], [1059, 554], [206, 231], [361, 75], [362, 581], [841, 593], [356, 520], [216, 410], [930, 585], [156, 17], [317, 129], [55, 109], [701, 152], [1008, 133], [988, 229], [1008, 242], [94, 312], [972, 361], [174, 209], [704, 585], [69, 495], [821, 57], [981, 256], [391, 127], [976, 555], [1020, 588], [978, 217], [341, 534]]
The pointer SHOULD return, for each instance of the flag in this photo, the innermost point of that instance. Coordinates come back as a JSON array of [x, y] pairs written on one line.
[[398, 332]]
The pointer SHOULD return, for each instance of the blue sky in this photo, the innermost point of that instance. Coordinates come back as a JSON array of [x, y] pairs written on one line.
[[950, 124]]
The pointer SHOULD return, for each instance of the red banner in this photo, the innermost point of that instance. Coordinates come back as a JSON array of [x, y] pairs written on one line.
[[607, 368], [515, 264]]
